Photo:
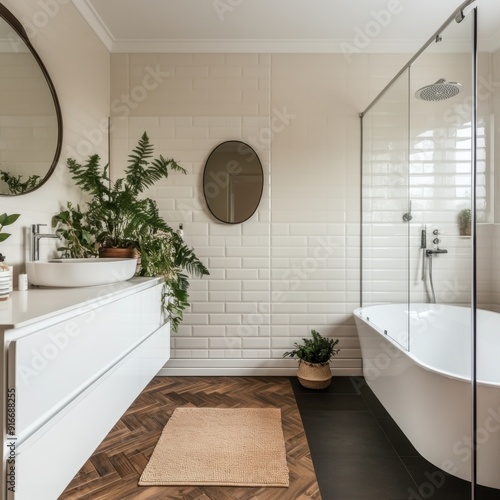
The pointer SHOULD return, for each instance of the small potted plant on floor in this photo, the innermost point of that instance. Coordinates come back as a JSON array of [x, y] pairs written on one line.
[[117, 217], [464, 221], [314, 356]]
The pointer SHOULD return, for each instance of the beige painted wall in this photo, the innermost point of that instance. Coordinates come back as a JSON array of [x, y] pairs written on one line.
[[79, 66]]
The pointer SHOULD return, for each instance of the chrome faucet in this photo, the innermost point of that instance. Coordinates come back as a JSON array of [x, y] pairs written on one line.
[[36, 236]]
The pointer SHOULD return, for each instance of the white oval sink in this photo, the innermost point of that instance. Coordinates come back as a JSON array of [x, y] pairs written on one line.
[[80, 272]]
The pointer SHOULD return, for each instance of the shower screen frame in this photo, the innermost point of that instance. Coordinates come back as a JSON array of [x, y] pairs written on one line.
[[458, 16]]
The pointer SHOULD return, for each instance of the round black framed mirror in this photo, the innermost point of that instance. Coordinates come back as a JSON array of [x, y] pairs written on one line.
[[31, 120], [233, 181]]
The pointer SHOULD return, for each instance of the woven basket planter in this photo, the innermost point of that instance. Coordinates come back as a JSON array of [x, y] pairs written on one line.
[[314, 375]]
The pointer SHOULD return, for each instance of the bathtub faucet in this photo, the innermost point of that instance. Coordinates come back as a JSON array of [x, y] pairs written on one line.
[[430, 252]]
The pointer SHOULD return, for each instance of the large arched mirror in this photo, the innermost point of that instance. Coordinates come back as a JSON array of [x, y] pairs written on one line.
[[233, 181], [30, 115]]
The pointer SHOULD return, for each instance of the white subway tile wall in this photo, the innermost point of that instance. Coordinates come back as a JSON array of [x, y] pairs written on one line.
[[435, 174], [294, 265]]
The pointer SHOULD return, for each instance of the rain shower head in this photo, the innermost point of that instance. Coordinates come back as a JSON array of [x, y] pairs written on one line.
[[439, 91]]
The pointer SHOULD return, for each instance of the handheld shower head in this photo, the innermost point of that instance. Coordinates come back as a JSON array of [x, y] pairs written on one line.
[[439, 91]]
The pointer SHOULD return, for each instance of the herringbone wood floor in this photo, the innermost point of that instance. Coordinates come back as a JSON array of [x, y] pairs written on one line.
[[113, 471]]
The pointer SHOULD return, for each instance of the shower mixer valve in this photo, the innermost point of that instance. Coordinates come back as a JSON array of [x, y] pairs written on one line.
[[436, 241], [431, 252]]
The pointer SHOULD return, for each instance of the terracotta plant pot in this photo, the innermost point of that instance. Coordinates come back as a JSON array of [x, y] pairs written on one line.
[[313, 375], [118, 253]]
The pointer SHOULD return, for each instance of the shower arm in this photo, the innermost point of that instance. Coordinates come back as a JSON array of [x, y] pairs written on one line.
[[430, 41]]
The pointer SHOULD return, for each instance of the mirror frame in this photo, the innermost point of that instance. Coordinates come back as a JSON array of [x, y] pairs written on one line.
[[214, 150], [14, 23]]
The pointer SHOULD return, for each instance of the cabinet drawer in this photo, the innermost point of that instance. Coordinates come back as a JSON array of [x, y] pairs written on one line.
[[48, 460], [51, 367]]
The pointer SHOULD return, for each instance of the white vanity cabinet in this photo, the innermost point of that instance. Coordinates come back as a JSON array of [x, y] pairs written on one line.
[[74, 360]]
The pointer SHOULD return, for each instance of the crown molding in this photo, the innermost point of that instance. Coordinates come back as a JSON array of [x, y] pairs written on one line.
[[95, 22], [261, 46]]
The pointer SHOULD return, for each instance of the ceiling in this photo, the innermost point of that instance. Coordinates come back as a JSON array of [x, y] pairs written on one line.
[[276, 25]]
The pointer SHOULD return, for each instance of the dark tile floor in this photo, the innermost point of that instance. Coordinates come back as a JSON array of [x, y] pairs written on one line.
[[359, 453]]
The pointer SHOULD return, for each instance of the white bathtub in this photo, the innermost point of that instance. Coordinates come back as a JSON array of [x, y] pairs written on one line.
[[427, 389]]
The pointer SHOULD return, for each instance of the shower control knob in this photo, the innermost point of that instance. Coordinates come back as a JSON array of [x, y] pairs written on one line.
[[436, 232], [436, 241]]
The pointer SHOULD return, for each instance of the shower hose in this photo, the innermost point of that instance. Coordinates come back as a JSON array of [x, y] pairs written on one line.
[[433, 294]]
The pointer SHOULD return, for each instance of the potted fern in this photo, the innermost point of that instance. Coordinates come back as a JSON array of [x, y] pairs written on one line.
[[118, 217], [314, 356]]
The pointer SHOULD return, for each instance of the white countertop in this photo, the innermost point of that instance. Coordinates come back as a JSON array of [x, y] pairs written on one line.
[[37, 304]]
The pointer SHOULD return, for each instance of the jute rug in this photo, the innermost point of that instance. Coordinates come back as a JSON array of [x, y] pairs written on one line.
[[219, 447]]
